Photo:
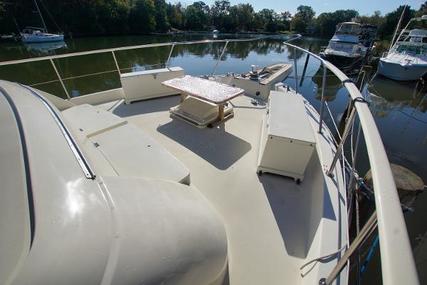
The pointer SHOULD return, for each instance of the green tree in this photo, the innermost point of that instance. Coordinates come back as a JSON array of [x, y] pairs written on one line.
[[302, 19], [239, 18], [269, 20], [391, 19], [162, 22], [197, 16], [175, 15], [285, 21], [112, 16], [423, 10], [220, 13], [326, 23], [245, 17], [376, 19], [142, 16]]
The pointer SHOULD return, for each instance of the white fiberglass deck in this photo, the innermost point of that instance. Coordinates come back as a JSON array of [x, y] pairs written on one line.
[[273, 225]]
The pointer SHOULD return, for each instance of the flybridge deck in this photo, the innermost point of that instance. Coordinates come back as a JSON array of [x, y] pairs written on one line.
[[256, 210], [270, 231]]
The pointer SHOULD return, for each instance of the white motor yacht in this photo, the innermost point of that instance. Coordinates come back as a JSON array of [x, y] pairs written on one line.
[[350, 44], [407, 58], [117, 187]]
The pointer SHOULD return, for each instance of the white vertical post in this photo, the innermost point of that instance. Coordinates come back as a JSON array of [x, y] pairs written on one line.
[[115, 61], [322, 103], [59, 78]]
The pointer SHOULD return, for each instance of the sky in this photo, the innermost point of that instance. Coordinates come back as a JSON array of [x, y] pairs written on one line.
[[364, 7]]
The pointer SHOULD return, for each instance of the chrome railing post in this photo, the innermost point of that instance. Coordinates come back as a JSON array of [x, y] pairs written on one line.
[[220, 57], [322, 100], [304, 70], [169, 56], [59, 78], [296, 70], [115, 62]]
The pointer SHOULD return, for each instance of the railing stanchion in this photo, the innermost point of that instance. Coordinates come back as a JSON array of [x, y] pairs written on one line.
[[169, 56], [304, 69], [59, 78], [296, 70], [322, 103], [115, 61], [220, 57]]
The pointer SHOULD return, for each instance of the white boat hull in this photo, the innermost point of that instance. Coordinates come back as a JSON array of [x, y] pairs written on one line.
[[400, 72], [41, 38]]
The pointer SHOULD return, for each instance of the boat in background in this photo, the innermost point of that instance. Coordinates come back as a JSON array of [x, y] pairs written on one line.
[[350, 44], [259, 81], [39, 35], [407, 58]]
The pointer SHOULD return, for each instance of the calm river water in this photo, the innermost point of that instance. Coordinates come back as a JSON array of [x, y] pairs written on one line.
[[399, 108]]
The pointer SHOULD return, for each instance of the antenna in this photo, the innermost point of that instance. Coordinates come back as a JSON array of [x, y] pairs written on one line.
[[398, 26]]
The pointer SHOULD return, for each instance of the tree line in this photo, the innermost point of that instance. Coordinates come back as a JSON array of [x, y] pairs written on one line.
[[109, 17]]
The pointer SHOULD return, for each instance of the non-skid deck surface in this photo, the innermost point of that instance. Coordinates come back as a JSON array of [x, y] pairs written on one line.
[[267, 244]]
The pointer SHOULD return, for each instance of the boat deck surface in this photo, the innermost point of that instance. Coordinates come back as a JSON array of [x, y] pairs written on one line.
[[267, 244]]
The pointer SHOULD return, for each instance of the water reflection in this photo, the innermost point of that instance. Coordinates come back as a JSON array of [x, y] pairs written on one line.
[[388, 95], [49, 48]]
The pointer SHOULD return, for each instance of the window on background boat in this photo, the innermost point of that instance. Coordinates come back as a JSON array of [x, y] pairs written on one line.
[[412, 49]]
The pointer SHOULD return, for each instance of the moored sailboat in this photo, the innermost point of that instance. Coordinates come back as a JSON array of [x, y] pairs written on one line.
[[39, 35]]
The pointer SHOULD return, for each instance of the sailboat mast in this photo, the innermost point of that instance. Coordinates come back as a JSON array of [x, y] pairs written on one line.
[[41, 16]]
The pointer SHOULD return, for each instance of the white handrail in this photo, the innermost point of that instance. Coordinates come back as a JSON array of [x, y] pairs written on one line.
[[397, 261], [98, 51]]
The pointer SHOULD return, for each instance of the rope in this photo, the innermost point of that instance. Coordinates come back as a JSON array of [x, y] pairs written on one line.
[[333, 121], [74, 77], [320, 259]]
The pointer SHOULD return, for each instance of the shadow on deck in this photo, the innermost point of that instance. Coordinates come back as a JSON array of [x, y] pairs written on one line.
[[146, 106], [308, 202], [216, 146]]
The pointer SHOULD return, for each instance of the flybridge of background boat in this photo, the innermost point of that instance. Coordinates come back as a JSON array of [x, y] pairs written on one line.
[[351, 44], [364, 33]]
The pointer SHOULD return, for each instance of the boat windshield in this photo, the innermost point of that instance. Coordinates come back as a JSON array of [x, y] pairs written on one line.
[[343, 46], [348, 28], [411, 49]]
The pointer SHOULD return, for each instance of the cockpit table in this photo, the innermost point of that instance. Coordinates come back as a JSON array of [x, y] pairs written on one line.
[[203, 101]]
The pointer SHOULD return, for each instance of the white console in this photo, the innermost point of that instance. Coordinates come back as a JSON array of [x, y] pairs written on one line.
[[287, 141]]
